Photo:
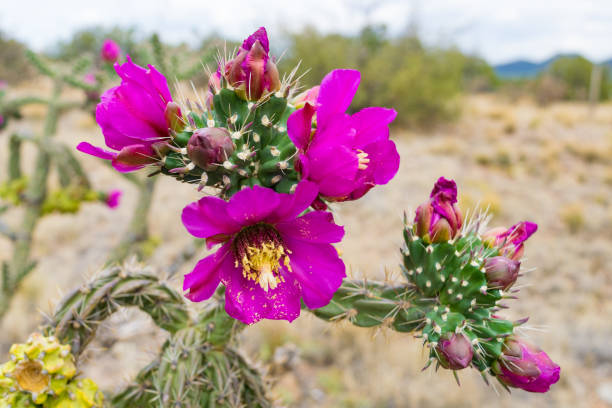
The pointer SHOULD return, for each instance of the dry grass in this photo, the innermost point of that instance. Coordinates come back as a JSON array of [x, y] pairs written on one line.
[[529, 174]]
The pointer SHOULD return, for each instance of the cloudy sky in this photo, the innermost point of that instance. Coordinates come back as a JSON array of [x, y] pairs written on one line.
[[499, 30]]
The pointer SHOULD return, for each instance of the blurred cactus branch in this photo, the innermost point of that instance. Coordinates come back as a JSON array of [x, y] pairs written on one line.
[[21, 264], [79, 314], [65, 160], [14, 165], [138, 230], [197, 366]]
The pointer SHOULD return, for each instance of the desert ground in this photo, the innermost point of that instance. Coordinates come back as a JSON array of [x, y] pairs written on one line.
[[551, 165]]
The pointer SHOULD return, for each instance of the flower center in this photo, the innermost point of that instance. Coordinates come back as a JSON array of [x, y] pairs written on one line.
[[259, 250], [363, 160], [30, 376]]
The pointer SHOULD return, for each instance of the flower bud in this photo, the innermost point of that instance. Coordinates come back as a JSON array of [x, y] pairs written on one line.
[[113, 198], [501, 272], [525, 366], [455, 352], [308, 96], [439, 219], [214, 85], [110, 51], [209, 147], [252, 71], [173, 117], [511, 240]]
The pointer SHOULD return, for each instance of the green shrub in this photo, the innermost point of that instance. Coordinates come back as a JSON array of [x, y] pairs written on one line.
[[423, 84]]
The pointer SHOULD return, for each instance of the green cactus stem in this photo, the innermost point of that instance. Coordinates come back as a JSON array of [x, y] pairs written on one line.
[[79, 314], [445, 292]]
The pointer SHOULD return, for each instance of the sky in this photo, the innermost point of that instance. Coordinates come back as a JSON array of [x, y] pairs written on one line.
[[498, 30]]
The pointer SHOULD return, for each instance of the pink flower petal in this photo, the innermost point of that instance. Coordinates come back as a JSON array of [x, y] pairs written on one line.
[[208, 217], [319, 270], [336, 93], [299, 126], [88, 148], [246, 301], [252, 205], [315, 227], [205, 277]]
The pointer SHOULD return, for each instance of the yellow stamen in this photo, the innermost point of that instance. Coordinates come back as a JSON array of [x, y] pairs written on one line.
[[262, 264], [363, 160]]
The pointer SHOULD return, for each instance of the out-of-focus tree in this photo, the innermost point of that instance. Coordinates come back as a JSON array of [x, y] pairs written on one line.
[[89, 40], [423, 83], [14, 66], [570, 77]]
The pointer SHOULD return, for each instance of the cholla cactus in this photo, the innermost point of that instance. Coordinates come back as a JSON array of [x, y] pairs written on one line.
[[455, 283], [42, 372], [274, 161]]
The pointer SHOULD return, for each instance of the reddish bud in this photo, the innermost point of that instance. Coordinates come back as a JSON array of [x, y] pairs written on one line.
[[110, 51], [455, 352], [252, 71], [525, 366], [501, 272], [439, 219], [209, 147]]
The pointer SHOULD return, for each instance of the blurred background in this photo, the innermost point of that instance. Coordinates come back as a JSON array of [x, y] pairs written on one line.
[[509, 99]]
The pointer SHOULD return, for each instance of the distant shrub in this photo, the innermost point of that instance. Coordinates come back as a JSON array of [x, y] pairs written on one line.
[[573, 217], [14, 66], [569, 78], [422, 84]]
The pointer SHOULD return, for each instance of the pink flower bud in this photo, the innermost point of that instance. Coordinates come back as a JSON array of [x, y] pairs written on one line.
[[173, 116], [511, 240], [214, 85], [439, 219], [113, 198], [501, 272], [209, 147], [110, 51], [308, 96], [455, 352], [252, 71], [525, 366]]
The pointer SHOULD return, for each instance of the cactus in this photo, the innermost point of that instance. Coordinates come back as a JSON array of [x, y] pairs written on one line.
[[80, 313], [197, 366], [262, 150], [445, 293], [42, 372]]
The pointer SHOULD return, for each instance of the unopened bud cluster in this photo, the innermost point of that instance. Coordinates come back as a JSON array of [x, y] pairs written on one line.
[[466, 276]]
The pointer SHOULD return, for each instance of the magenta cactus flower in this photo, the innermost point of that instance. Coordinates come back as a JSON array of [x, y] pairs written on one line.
[[252, 71], [439, 219], [348, 154], [455, 352], [133, 118], [526, 366], [113, 198], [270, 256], [110, 51], [511, 241], [501, 272]]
